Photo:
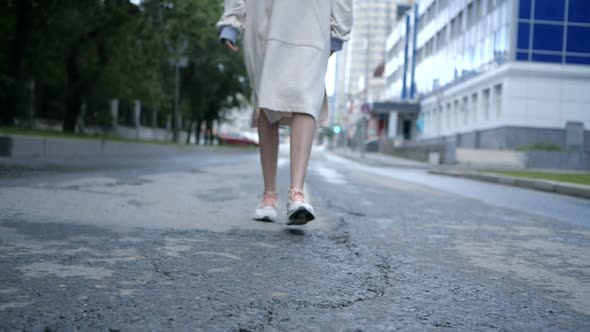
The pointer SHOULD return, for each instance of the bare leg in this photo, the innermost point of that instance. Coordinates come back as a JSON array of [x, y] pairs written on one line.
[[302, 134], [268, 135]]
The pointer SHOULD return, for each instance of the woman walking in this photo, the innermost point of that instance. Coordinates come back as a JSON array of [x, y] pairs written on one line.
[[286, 49]]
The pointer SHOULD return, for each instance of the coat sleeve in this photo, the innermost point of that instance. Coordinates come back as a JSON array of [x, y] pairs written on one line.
[[233, 15], [340, 22]]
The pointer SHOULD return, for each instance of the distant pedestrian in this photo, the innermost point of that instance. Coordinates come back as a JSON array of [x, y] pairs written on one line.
[[286, 49]]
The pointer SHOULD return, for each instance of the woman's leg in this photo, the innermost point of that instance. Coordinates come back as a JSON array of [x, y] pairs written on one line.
[[268, 135], [302, 134]]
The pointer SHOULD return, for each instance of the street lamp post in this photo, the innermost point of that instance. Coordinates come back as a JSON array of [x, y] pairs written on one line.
[[179, 62]]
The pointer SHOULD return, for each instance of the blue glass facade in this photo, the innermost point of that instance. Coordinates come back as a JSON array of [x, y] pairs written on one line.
[[556, 31]]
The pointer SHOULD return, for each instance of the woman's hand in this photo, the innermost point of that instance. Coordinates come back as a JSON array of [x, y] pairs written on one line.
[[230, 46]]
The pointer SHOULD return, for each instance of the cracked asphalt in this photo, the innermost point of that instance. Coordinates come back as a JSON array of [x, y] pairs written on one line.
[[167, 243]]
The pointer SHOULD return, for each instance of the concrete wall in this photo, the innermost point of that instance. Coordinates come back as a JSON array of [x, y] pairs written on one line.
[[558, 160], [515, 137], [414, 151], [490, 158], [467, 140], [481, 158], [146, 133], [508, 138], [16, 146]]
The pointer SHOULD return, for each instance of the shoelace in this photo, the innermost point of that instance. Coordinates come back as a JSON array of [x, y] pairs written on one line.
[[269, 199], [296, 195]]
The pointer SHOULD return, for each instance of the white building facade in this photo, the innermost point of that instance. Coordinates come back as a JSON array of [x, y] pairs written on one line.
[[498, 74], [361, 56]]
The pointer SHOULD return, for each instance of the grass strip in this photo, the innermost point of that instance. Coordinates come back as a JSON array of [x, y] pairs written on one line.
[[576, 178]]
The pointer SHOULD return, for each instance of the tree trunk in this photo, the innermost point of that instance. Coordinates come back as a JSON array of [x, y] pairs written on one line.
[[73, 102], [198, 126], [75, 86], [15, 59], [73, 97], [209, 132], [189, 131]]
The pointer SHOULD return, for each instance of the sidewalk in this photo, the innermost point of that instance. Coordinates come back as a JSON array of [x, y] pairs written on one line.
[[558, 187], [39, 147], [380, 159]]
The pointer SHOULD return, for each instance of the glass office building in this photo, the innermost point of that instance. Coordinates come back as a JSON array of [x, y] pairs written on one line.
[[493, 73], [554, 31]]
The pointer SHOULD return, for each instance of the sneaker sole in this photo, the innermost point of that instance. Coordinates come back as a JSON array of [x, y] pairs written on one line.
[[265, 219], [300, 217]]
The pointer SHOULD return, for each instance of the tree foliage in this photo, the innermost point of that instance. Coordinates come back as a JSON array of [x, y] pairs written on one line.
[[91, 51]]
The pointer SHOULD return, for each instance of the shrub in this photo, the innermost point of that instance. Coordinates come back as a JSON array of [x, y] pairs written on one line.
[[540, 147]]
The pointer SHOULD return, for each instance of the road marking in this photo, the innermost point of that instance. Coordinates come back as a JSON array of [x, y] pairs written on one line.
[[328, 174]]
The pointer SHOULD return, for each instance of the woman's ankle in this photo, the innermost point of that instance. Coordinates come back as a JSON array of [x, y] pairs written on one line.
[[296, 194]]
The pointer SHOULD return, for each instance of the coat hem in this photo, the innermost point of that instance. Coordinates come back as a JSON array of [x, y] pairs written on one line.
[[282, 113]]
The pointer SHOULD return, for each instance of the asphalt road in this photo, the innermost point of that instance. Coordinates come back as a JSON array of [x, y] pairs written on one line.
[[167, 243]]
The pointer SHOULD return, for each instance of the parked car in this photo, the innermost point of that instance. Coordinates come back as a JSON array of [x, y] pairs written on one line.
[[237, 139]]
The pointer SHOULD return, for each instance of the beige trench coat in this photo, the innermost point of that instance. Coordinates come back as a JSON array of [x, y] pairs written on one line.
[[286, 50]]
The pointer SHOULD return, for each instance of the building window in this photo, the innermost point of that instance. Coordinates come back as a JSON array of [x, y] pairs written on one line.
[[524, 32], [501, 44], [549, 10], [498, 99], [474, 107], [578, 11], [486, 104], [490, 6], [456, 112], [548, 37], [449, 110], [578, 60], [478, 9], [522, 56], [470, 15], [578, 39], [430, 122], [439, 113], [431, 12], [464, 109], [524, 11], [546, 58], [440, 39]]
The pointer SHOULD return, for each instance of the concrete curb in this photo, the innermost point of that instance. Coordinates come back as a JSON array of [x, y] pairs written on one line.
[[21, 146], [536, 184]]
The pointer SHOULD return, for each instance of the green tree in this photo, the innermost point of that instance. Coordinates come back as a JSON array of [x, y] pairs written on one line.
[[90, 51]]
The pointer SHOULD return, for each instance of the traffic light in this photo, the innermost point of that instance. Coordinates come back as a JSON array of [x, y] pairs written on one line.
[[337, 129]]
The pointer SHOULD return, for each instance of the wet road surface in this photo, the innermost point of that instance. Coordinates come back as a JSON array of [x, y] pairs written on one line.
[[167, 243]]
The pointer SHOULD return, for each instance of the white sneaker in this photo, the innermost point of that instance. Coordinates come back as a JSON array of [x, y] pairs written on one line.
[[267, 209], [298, 211]]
